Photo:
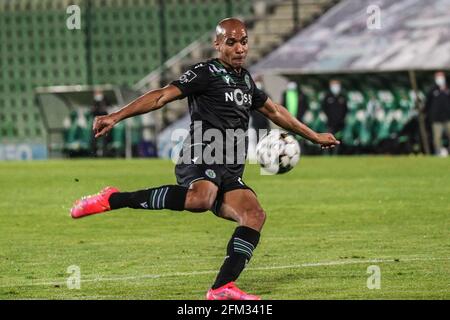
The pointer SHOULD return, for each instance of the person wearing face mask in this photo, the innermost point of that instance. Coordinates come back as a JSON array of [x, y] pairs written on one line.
[[437, 109], [99, 108], [335, 107], [100, 104]]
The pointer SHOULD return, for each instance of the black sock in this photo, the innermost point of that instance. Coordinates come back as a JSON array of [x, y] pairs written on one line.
[[164, 197], [239, 252]]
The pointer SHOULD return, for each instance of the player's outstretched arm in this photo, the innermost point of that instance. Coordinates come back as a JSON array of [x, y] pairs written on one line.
[[149, 101], [281, 117]]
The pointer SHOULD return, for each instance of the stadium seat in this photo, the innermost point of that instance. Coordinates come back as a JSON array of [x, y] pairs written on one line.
[[77, 136], [355, 101]]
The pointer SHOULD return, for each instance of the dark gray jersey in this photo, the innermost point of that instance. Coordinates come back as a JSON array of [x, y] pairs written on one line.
[[218, 96]]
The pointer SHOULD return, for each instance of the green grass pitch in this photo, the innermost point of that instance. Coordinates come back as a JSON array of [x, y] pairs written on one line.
[[328, 220]]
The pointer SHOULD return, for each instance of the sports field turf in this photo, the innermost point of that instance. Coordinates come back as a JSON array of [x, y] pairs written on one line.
[[328, 221]]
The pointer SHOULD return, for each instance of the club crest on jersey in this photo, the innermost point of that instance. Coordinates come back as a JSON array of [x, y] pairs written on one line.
[[247, 81], [210, 173], [188, 76]]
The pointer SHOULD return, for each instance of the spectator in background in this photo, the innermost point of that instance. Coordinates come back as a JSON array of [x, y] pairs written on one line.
[[100, 104], [295, 101], [99, 108], [437, 109], [334, 105]]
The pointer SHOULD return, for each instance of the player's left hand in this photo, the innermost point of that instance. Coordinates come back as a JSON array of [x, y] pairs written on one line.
[[327, 140]]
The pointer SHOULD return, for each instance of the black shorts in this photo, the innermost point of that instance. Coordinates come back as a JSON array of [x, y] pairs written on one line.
[[225, 177]]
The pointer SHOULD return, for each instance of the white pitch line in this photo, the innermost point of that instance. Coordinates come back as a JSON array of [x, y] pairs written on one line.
[[194, 273]]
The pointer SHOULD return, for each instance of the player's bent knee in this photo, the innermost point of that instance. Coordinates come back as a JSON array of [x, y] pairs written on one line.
[[260, 216], [254, 218]]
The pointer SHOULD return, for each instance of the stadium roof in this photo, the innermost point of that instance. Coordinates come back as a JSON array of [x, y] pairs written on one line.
[[413, 35]]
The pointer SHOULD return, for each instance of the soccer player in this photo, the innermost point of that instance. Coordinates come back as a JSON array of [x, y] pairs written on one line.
[[221, 94]]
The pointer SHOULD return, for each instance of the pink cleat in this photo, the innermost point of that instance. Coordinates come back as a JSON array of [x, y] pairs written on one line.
[[229, 292], [93, 204]]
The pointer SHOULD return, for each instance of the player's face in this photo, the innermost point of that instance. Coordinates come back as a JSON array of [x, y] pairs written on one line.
[[233, 47]]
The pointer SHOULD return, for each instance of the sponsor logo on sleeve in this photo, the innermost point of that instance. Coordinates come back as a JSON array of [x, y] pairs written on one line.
[[188, 76]]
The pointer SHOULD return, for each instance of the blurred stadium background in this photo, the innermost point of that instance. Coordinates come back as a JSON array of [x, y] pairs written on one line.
[[49, 73]]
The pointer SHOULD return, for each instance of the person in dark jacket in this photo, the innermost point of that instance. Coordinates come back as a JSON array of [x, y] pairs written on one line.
[[99, 108], [437, 109], [335, 107]]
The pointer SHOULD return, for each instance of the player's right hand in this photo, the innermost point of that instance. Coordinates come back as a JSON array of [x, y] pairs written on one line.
[[103, 124]]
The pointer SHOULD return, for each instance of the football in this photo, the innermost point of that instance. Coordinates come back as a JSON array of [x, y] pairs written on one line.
[[277, 152]]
